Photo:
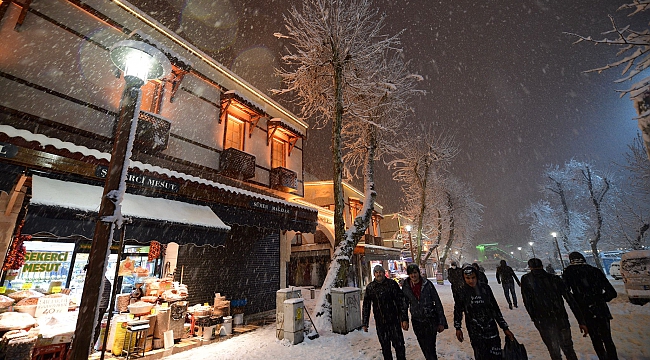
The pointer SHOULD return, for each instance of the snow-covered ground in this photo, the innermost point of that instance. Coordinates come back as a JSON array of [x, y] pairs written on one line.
[[630, 329]]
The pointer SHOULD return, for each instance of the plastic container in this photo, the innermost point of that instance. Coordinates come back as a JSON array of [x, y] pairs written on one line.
[[226, 328], [238, 319]]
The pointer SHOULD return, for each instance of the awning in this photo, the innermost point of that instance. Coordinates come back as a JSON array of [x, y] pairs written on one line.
[[68, 208], [374, 252]]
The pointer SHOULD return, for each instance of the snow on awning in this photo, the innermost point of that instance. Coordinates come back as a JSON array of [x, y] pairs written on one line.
[[86, 198]]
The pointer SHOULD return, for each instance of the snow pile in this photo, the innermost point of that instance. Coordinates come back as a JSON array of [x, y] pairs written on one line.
[[629, 329]]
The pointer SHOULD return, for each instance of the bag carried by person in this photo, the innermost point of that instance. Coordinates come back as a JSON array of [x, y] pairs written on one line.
[[513, 350]]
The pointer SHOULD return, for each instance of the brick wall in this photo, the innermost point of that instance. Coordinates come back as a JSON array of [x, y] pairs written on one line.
[[248, 267]]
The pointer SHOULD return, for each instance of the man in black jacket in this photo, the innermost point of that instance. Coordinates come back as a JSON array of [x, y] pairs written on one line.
[[427, 314], [507, 277], [390, 311], [482, 314], [592, 292], [455, 277], [542, 293]]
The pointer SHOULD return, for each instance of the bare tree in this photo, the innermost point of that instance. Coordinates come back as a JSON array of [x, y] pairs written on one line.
[[420, 158], [637, 164], [333, 41], [462, 215], [634, 47], [345, 71]]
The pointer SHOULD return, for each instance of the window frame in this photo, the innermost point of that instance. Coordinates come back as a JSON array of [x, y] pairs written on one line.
[[276, 140], [242, 139]]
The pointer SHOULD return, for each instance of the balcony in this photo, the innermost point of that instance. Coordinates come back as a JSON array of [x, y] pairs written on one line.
[[237, 164], [283, 179], [152, 133], [373, 240]]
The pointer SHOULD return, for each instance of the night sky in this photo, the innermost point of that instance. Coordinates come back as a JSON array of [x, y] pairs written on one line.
[[500, 75]]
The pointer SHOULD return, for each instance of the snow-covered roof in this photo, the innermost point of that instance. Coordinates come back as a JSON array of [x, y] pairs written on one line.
[[246, 100], [87, 198], [287, 125], [73, 148]]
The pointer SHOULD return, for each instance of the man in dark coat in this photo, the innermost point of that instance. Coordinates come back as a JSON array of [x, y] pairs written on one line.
[[390, 311], [482, 314], [455, 277], [592, 292], [427, 314], [507, 277], [543, 295], [482, 278]]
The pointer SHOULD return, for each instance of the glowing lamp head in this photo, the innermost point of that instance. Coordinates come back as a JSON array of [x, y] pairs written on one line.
[[139, 61], [519, 248], [531, 243], [408, 228], [554, 234]]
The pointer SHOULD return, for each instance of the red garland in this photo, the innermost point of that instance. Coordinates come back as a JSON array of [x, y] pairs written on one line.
[[16, 257]]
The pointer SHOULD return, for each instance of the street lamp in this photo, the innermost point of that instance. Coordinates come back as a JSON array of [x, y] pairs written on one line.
[[520, 257], [408, 230], [557, 246], [532, 248], [139, 62]]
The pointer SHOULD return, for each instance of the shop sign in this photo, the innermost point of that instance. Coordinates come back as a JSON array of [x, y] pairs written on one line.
[[38, 261], [142, 180], [49, 306], [8, 150], [269, 207]]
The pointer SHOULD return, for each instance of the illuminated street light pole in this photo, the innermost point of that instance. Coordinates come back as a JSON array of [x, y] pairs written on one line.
[[520, 257], [557, 246], [139, 62], [408, 230], [532, 248]]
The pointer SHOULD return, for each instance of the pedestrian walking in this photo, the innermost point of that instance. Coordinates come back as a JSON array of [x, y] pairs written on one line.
[[544, 295], [507, 277], [455, 277], [550, 269], [482, 314], [390, 310], [427, 315], [482, 278], [592, 292]]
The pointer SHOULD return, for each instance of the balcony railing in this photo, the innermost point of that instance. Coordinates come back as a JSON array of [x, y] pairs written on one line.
[[152, 133], [237, 164], [373, 240], [283, 179]]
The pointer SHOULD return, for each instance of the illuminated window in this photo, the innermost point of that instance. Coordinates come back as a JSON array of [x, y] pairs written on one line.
[[234, 134], [278, 155], [152, 95]]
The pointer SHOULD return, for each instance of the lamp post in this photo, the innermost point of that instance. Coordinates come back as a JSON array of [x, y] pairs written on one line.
[[408, 230], [557, 246], [139, 62], [520, 257], [532, 248]]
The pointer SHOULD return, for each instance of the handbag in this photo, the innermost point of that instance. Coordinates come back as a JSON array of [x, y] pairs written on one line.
[[513, 350]]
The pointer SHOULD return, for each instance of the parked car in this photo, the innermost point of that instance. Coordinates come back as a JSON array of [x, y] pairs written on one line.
[[615, 270], [635, 268]]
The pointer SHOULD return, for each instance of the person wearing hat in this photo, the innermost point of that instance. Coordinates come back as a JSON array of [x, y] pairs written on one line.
[[455, 277], [390, 311], [427, 315], [592, 292], [507, 277], [482, 314], [543, 295]]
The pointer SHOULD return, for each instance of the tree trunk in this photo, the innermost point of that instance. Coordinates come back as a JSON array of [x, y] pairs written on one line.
[[338, 269], [423, 208], [450, 240]]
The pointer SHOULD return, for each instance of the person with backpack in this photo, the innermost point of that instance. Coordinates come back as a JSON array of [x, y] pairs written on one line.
[[455, 277], [543, 295], [592, 291], [507, 277]]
